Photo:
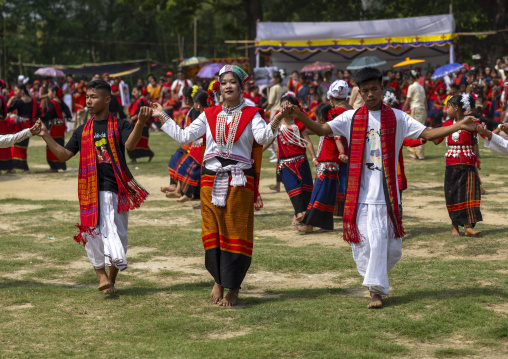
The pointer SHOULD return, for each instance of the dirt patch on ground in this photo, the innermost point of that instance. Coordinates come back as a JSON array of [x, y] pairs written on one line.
[[229, 335], [16, 208]]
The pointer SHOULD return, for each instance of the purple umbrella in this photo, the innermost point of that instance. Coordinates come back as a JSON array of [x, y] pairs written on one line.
[[49, 72], [209, 70]]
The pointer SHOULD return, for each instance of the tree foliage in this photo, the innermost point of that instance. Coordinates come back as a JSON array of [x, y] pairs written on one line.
[[73, 32]]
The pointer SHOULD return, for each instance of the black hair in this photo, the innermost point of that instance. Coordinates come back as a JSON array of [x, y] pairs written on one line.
[[187, 92], [323, 110], [456, 100], [84, 78], [22, 87], [54, 89], [368, 74], [277, 75], [151, 76], [139, 88], [99, 85], [304, 77], [471, 73], [455, 86], [290, 98], [201, 97]]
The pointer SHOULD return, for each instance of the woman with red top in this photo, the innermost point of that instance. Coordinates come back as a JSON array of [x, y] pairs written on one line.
[[189, 172], [322, 202], [115, 89], [462, 184], [53, 119], [142, 149], [293, 142], [26, 111]]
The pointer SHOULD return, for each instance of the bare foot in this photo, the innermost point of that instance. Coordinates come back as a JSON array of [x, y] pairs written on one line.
[[183, 199], [172, 195], [51, 170], [131, 162], [196, 206], [217, 293], [104, 282], [299, 217], [455, 231], [321, 230], [376, 301], [304, 228], [12, 170], [230, 299], [111, 290], [150, 158], [471, 232], [482, 190], [27, 172], [275, 187], [168, 189]]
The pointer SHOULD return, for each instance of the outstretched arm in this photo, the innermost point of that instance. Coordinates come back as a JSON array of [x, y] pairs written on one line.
[[317, 128], [183, 136], [467, 124], [9, 140], [143, 116], [58, 150], [493, 141]]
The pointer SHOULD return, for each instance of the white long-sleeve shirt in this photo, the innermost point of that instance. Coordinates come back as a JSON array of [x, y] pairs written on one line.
[[256, 130], [497, 144], [9, 140]]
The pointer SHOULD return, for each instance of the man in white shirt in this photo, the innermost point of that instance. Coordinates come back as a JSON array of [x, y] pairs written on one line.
[[416, 100], [178, 85], [375, 219]]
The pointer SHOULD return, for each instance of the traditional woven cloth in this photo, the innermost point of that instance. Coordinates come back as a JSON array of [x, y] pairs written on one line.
[[219, 129], [358, 135], [57, 131], [228, 232], [130, 193], [462, 193]]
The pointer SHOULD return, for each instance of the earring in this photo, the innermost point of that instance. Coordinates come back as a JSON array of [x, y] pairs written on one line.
[[221, 99]]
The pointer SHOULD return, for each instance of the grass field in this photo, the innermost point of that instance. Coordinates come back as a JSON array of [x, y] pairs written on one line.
[[302, 297]]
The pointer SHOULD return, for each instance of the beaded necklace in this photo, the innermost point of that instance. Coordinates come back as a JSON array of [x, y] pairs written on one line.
[[225, 141], [291, 136]]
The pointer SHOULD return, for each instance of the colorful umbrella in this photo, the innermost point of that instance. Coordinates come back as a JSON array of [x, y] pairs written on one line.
[[408, 62], [366, 61], [209, 70], [193, 61], [318, 66], [49, 72], [446, 70]]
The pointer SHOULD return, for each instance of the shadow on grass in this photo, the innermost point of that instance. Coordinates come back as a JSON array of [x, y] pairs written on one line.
[[444, 295]]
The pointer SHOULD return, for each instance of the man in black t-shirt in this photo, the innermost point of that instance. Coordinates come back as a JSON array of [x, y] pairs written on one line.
[[103, 227]]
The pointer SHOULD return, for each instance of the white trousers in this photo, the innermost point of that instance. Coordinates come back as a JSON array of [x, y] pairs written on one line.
[[108, 246], [378, 250]]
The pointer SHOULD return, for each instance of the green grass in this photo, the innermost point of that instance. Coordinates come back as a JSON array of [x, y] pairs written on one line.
[[448, 296]]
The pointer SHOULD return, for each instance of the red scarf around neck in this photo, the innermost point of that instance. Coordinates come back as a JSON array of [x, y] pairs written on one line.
[[357, 148], [130, 193]]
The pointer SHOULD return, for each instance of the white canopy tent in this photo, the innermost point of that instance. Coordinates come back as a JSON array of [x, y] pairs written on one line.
[[293, 45]]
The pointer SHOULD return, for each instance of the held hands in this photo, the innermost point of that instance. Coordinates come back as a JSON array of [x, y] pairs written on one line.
[[156, 109], [144, 114], [36, 128], [468, 124], [481, 128], [343, 158], [43, 131]]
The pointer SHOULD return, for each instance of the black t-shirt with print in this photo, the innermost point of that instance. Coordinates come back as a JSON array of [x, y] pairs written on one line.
[[107, 181]]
